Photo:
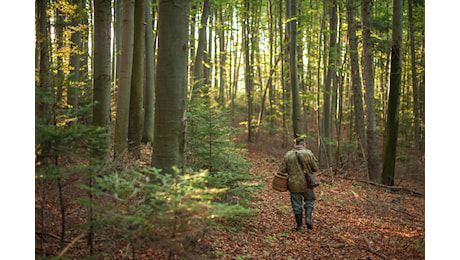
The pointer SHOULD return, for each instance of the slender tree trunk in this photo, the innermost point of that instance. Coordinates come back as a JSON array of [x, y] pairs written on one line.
[[73, 90], [118, 5], [248, 69], [59, 31], [392, 125], [149, 88], [223, 56], [44, 109], [171, 84], [101, 77], [124, 83], [137, 81], [296, 111], [416, 109], [373, 164], [197, 78], [327, 118], [355, 75]]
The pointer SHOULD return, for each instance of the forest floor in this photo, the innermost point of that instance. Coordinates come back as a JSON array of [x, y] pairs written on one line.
[[352, 219]]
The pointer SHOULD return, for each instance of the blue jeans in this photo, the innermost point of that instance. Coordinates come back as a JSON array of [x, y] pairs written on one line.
[[297, 199]]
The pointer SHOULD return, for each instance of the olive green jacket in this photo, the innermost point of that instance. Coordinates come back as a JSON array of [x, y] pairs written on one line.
[[290, 165]]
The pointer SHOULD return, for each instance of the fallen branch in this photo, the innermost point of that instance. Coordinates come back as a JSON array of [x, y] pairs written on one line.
[[71, 244], [393, 188]]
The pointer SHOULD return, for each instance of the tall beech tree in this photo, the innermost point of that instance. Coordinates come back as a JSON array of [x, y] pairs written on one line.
[[137, 80], [292, 24], [149, 87], [392, 124], [355, 75], [73, 89], [331, 70], [171, 83], [101, 76], [373, 162], [43, 109], [124, 81]]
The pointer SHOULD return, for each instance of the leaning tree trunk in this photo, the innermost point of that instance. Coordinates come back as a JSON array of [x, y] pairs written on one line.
[[171, 84], [137, 81], [368, 76], [124, 81], [355, 77], [101, 82], [392, 125]]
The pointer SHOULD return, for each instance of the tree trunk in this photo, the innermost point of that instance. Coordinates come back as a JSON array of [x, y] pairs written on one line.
[[355, 76], [198, 78], [73, 90], [327, 118], [392, 125], [137, 81], [44, 109], [124, 81], [149, 88], [416, 109], [118, 5], [171, 84], [101, 83], [248, 75], [296, 112], [373, 164]]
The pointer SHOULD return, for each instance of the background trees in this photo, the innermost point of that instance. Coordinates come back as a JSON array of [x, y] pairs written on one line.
[[232, 47]]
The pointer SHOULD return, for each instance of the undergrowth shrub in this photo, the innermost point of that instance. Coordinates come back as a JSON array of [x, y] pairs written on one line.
[[146, 208], [212, 146]]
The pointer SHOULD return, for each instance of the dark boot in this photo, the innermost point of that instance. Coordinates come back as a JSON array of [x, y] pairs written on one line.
[[308, 212], [298, 219]]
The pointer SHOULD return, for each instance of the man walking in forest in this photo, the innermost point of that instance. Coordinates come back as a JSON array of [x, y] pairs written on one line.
[[297, 183]]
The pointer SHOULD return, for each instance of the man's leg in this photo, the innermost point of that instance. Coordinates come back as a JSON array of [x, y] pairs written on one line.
[[309, 198], [296, 203]]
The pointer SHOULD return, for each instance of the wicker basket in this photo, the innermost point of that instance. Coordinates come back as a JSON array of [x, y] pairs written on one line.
[[280, 182]]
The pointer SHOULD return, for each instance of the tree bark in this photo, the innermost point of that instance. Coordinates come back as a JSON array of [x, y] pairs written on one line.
[[73, 89], [373, 164], [296, 111], [101, 77], [355, 76], [248, 75], [392, 125], [149, 88], [416, 109], [137, 81], [198, 78], [44, 109], [124, 83], [171, 84], [327, 118]]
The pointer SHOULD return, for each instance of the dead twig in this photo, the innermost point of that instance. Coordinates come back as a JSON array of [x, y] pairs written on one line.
[[71, 244]]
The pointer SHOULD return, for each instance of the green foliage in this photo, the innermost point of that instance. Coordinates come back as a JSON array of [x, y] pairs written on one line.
[[211, 146], [145, 206]]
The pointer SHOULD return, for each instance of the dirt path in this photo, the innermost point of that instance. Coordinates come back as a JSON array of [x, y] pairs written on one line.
[[351, 220]]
